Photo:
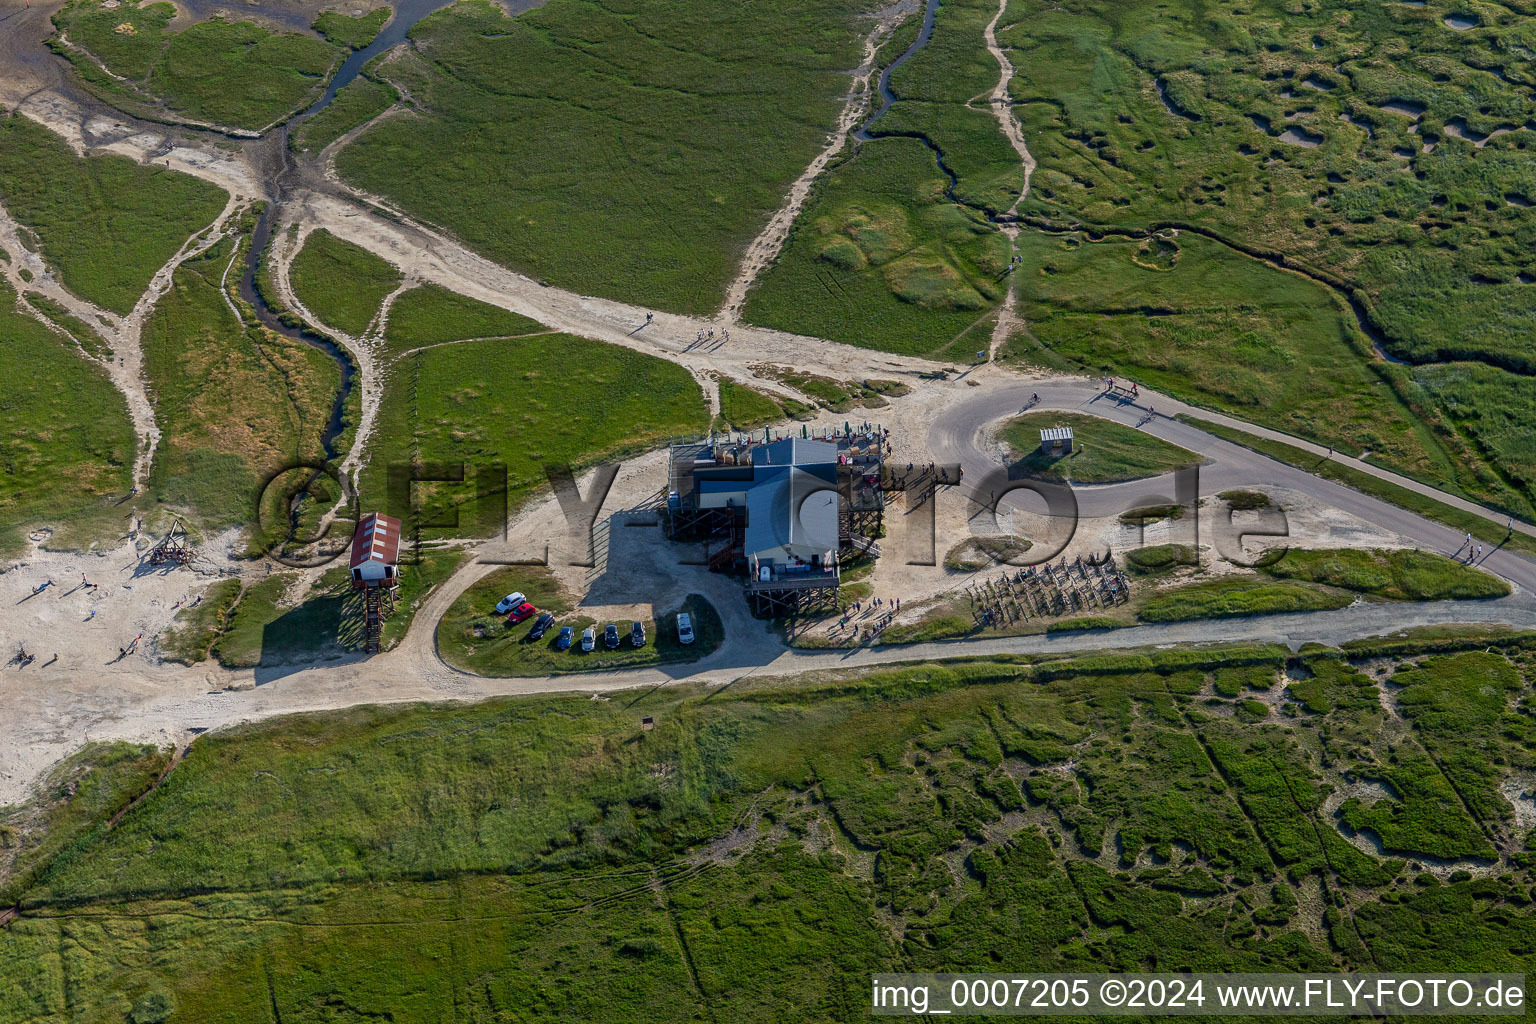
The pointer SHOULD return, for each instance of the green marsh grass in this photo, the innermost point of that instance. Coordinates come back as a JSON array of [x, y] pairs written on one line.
[[234, 402], [69, 446], [1144, 117], [1401, 575], [1216, 599], [234, 74], [340, 283], [635, 151], [1103, 451], [526, 403], [358, 102], [750, 855], [105, 223], [429, 315], [355, 33]]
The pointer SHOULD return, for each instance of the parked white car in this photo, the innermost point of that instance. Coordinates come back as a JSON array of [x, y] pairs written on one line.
[[684, 628], [509, 602]]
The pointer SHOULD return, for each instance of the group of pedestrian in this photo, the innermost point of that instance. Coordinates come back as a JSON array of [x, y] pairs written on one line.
[[904, 480], [25, 657], [883, 610], [1130, 387]]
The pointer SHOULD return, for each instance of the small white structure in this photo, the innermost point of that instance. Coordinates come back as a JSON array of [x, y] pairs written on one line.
[[1056, 441]]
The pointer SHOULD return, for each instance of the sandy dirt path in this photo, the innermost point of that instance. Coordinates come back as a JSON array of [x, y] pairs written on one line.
[[86, 131], [431, 257], [1002, 106], [764, 249], [121, 334]]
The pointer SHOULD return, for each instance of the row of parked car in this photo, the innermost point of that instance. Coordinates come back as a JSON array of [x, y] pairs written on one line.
[[517, 608]]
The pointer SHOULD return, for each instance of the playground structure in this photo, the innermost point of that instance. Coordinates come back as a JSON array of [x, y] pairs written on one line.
[[174, 548]]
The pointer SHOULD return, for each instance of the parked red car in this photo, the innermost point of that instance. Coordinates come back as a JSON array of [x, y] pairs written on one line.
[[520, 613]]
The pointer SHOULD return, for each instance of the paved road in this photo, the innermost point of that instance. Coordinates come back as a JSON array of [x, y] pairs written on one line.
[[958, 435]]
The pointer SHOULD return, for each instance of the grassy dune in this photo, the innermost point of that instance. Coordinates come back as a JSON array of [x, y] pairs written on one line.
[[1219, 599], [1105, 451], [1402, 575], [744, 408], [200, 625]]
